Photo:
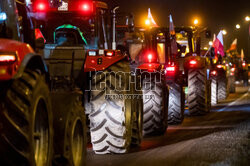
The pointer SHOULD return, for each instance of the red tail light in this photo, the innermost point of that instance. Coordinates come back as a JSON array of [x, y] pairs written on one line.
[[244, 64], [41, 6], [233, 70], [150, 57], [214, 73], [170, 69], [219, 66], [193, 62], [110, 53], [85, 7], [7, 58]]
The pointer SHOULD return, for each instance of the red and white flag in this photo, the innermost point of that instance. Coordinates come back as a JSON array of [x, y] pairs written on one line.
[[151, 19], [233, 46], [218, 44], [174, 48]]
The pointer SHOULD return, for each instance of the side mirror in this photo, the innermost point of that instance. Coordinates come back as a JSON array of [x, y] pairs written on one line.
[[40, 44]]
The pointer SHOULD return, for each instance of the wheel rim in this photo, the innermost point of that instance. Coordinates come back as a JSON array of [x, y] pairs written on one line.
[[41, 134], [77, 143]]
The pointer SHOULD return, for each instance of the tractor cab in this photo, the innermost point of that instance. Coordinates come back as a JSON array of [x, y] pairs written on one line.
[[70, 28]]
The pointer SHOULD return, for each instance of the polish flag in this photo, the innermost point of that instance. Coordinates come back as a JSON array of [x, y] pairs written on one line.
[[233, 46], [218, 44], [151, 19]]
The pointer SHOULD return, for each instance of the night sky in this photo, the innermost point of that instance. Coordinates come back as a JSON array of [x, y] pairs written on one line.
[[214, 14]]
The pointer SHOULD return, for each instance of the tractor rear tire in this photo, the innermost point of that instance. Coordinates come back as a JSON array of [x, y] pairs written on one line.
[[176, 104], [222, 86], [231, 82], [198, 92], [70, 140], [26, 122], [155, 99], [111, 116], [214, 90]]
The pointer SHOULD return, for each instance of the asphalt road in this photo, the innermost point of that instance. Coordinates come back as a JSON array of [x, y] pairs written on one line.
[[220, 138]]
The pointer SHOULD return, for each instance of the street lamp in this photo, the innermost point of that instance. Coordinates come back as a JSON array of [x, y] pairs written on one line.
[[247, 18], [237, 26], [147, 22], [224, 32], [196, 22], [210, 43]]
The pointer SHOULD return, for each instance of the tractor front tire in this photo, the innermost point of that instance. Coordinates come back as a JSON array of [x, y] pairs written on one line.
[[155, 99], [111, 116], [176, 104], [214, 90], [222, 86], [231, 84], [26, 122], [198, 92], [70, 140]]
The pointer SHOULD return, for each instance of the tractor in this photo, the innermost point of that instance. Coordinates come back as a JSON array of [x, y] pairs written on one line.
[[147, 58], [43, 94], [188, 68], [80, 53]]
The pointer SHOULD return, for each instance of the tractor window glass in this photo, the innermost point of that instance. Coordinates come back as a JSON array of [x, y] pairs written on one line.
[[3, 18], [182, 39]]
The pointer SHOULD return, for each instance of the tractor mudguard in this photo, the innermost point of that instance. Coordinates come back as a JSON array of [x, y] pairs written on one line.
[[150, 67], [24, 54], [101, 62], [198, 62]]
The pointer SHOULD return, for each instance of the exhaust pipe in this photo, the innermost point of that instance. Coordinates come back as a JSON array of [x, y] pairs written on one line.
[[114, 28]]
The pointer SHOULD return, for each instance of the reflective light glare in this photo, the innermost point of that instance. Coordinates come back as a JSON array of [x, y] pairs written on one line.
[[92, 61], [237, 26], [233, 70], [210, 43], [193, 62], [7, 58], [244, 64], [3, 16]]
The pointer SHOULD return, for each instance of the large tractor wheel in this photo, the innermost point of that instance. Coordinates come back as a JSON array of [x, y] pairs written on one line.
[[137, 103], [155, 98], [231, 84], [26, 122], [176, 104], [214, 90], [198, 92], [222, 86], [111, 117], [70, 140]]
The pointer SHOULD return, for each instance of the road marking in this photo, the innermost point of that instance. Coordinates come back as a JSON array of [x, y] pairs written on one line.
[[233, 103]]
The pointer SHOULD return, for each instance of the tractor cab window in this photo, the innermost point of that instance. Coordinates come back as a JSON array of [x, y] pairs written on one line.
[[182, 40], [68, 35], [3, 19]]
